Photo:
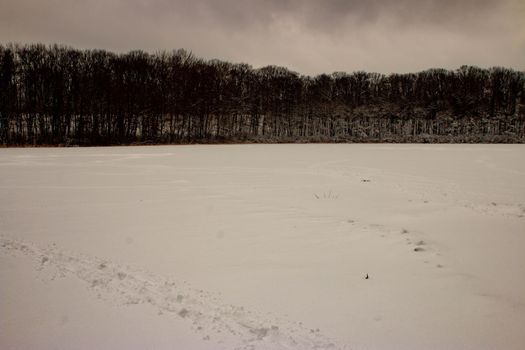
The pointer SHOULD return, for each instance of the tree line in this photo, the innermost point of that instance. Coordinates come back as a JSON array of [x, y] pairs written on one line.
[[57, 95]]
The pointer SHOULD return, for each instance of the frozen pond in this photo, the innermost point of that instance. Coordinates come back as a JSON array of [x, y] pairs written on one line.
[[263, 247]]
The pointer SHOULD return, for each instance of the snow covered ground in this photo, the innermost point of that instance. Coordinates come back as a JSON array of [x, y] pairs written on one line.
[[263, 247]]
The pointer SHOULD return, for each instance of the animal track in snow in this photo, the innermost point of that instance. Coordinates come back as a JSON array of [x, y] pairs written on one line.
[[128, 286]]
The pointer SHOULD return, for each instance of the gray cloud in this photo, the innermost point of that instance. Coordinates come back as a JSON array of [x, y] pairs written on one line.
[[309, 36]]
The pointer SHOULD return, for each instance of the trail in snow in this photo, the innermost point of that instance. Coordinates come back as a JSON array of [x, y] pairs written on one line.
[[224, 324], [424, 187]]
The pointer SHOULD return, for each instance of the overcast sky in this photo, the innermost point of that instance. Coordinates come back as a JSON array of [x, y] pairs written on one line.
[[307, 36]]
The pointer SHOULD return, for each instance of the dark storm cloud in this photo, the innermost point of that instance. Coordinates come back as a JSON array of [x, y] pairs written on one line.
[[306, 35], [331, 15], [326, 15]]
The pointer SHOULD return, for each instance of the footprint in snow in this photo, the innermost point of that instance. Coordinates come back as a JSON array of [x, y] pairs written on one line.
[[204, 312]]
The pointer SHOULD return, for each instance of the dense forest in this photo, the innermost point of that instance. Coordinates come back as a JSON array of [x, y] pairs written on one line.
[[56, 95]]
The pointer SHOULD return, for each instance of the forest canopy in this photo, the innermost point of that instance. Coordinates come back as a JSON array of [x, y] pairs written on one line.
[[57, 95]]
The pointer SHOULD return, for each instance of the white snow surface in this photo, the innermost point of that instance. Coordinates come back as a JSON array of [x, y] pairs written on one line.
[[263, 247]]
